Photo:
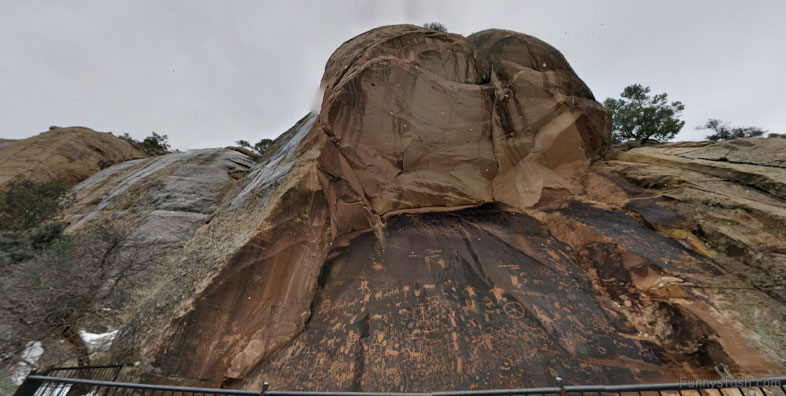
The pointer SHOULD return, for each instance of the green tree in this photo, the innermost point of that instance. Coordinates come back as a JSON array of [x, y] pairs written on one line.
[[155, 144], [722, 130], [261, 146], [152, 145], [637, 115], [258, 148]]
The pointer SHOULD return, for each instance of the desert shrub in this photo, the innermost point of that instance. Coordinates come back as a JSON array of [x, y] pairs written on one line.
[[258, 148], [52, 291], [31, 241], [18, 246], [155, 144], [723, 131], [128, 138], [26, 204], [51, 281], [436, 26], [152, 145]]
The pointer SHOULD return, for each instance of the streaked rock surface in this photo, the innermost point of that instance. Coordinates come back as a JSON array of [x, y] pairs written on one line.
[[150, 209]]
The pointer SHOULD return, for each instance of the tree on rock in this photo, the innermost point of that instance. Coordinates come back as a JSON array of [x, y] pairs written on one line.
[[637, 115], [258, 148], [436, 26], [155, 144], [725, 132]]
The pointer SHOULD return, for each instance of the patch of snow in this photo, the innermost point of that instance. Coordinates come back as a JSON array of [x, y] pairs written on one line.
[[97, 341], [29, 358]]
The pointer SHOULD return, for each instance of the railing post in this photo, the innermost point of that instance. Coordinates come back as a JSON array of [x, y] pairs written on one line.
[[29, 386], [560, 385], [265, 387]]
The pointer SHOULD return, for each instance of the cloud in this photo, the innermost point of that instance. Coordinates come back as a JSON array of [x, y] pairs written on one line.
[[210, 73]]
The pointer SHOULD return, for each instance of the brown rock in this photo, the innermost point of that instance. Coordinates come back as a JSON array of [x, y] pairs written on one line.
[[732, 195], [71, 154], [439, 225], [407, 123], [436, 120]]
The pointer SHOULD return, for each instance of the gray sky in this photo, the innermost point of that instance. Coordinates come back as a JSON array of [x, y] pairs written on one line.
[[208, 73]]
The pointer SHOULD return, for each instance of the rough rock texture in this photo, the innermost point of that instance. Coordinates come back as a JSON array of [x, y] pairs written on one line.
[[149, 209], [71, 154], [436, 120], [733, 194], [440, 224], [410, 121]]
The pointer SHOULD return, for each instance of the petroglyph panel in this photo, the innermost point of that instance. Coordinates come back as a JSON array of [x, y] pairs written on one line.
[[466, 299]]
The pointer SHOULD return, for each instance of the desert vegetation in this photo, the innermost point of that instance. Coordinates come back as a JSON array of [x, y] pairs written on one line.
[[723, 131], [637, 115], [152, 145], [436, 26], [257, 148], [53, 283]]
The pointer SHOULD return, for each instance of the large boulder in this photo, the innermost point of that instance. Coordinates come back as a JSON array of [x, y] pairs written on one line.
[[427, 119]]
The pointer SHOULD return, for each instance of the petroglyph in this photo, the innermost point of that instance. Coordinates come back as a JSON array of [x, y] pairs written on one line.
[[481, 318]]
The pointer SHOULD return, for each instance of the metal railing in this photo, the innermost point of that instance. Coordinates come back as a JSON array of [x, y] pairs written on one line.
[[44, 385], [41, 385], [98, 373]]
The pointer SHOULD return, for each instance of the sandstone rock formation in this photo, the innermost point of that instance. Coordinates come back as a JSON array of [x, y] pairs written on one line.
[[71, 154], [436, 120], [732, 193], [446, 222], [438, 226], [151, 207]]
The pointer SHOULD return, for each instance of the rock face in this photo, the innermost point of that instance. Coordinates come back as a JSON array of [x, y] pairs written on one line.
[[446, 222], [439, 226], [734, 195], [71, 154], [412, 121], [149, 209], [435, 120]]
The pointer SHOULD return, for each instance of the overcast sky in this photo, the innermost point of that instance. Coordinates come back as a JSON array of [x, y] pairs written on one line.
[[208, 73]]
